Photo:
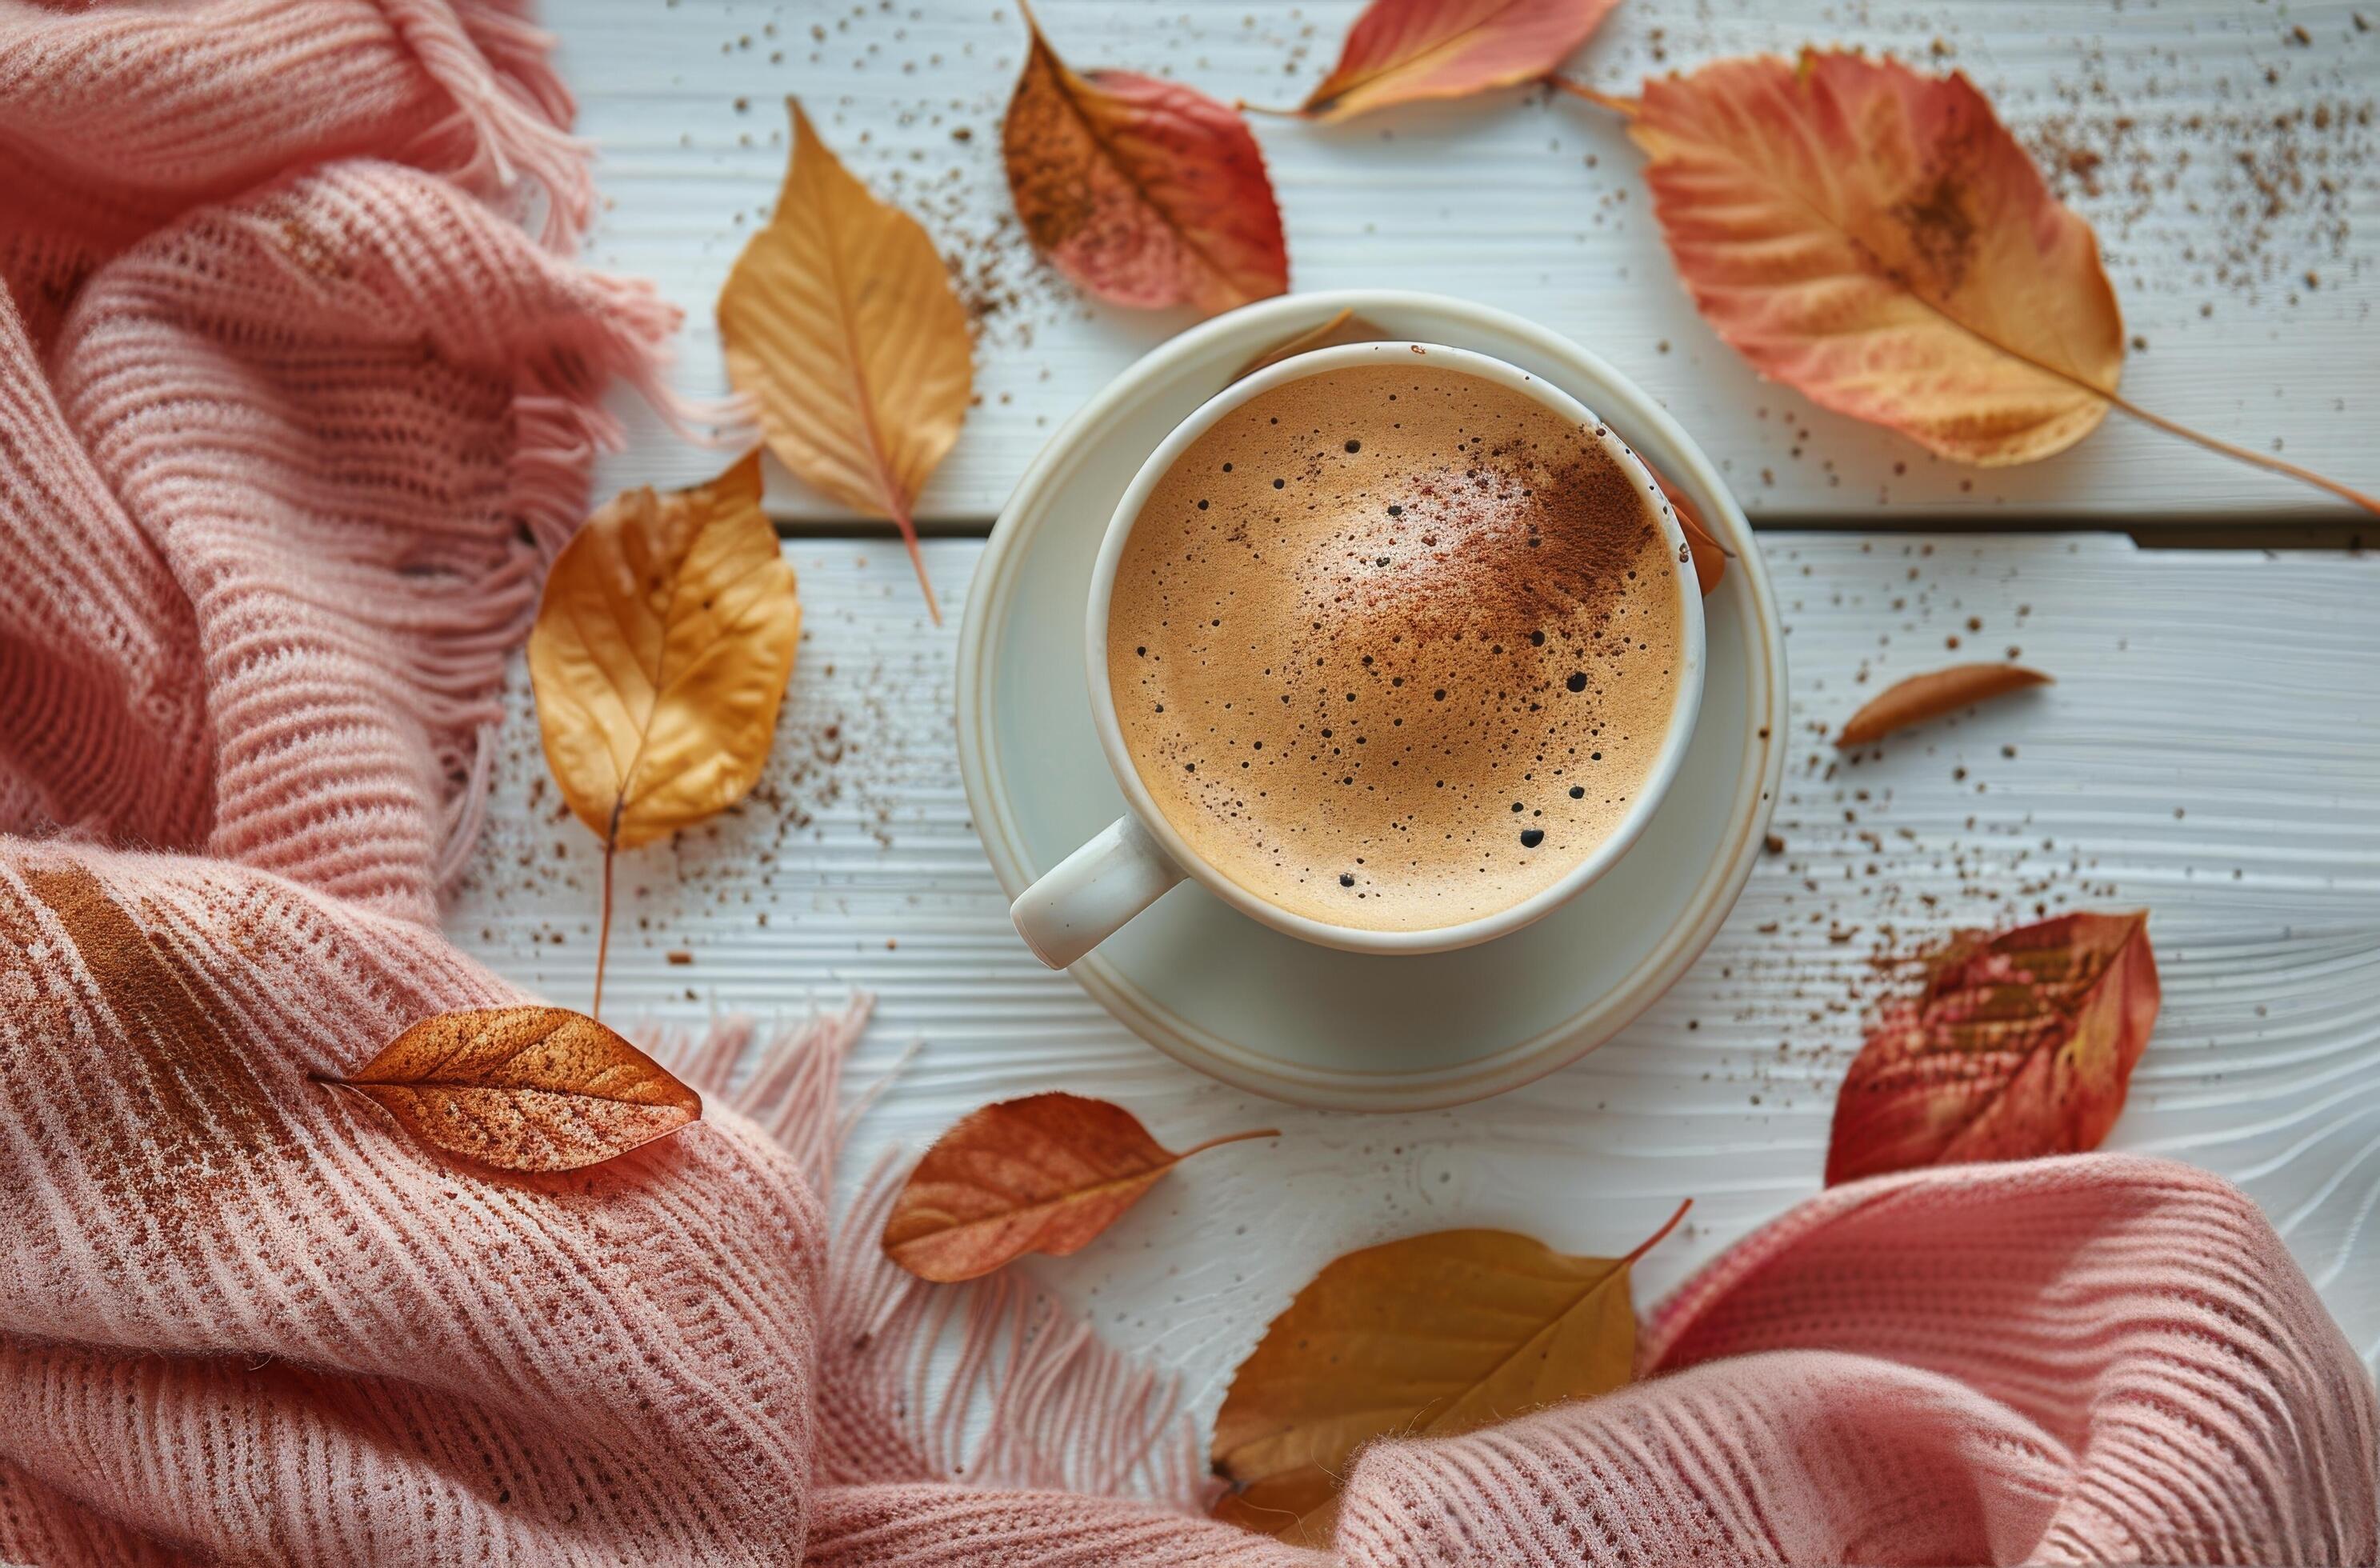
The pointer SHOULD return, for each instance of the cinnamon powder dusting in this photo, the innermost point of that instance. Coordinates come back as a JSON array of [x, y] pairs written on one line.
[[198, 1108]]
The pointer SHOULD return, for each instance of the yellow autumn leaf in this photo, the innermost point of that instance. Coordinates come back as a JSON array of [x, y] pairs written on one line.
[[840, 325], [659, 659], [1430, 1336]]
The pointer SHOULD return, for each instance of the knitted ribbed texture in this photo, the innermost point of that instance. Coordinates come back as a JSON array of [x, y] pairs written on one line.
[[290, 418]]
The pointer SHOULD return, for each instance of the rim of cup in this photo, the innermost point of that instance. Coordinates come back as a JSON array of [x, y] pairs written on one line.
[[1684, 706]]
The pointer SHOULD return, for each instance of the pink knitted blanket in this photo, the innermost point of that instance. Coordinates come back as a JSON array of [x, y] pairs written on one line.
[[293, 410]]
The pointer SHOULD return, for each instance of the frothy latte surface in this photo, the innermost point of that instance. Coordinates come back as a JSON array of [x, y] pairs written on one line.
[[1394, 647]]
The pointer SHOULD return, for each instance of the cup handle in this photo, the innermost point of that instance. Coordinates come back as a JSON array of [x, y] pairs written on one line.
[[1087, 898]]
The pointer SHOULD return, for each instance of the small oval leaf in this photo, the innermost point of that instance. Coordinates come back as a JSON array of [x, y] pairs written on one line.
[[2019, 1045], [1044, 1173], [1403, 51], [524, 1088], [1145, 192], [660, 656], [840, 323], [1430, 1336], [1932, 694]]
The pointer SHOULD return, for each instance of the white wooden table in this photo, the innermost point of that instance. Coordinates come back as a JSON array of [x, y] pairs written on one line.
[[2212, 752]]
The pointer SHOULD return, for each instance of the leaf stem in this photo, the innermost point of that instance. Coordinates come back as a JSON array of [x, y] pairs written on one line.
[[603, 938], [1617, 104], [1227, 1137], [1656, 1239], [909, 538], [2242, 454], [1244, 107]]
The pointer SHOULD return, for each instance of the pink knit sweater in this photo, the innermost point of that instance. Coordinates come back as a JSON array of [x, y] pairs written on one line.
[[292, 413]]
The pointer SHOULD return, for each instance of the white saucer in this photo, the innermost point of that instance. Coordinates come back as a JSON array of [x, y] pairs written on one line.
[[1264, 1011]]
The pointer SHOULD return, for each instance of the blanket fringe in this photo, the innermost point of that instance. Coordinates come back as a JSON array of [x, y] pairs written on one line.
[[498, 69], [995, 1382]]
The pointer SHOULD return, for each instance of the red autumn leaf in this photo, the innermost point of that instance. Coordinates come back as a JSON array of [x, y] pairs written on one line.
[[1145, 192], [2019, 1045], [1044, 1173], [1402, 51], [1931, 695]]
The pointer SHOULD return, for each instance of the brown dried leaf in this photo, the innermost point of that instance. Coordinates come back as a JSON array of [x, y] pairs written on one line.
[[1930, 696], [1044, 1173], [524, 1088], [2021, 1045], [1426, 1337]]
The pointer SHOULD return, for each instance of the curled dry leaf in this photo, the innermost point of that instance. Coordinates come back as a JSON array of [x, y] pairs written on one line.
[[1710, 556], [1402, 51], [1145, 192], [660, 657], [524, 1088], [1876, 239], [1044, 1173], [840, 325], [1426, 1337], [2019, 1045], [1932, 694]]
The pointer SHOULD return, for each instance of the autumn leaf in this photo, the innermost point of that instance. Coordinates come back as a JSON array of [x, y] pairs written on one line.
[[840, 325], [1344, 328], [1426, 1337], [1403, 51], [1044, 1173], [1876, 239], [660, 657], [524, 1088], [2019, 1045], [1932, 694], [1710, 556], [1145, 192]]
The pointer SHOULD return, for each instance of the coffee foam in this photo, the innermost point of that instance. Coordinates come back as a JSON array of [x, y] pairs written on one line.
[[1395, 647]]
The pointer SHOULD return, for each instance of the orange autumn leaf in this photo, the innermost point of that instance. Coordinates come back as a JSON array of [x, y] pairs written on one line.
[[2019, 1045], [1044, 1173], [1876, 239], [1932, 694], [1404, 51], [1430, 1336], [1710, 556], [840, 325], [524, 1088], [1145, 192]]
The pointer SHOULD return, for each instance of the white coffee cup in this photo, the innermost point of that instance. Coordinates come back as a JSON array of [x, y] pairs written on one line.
[[1087, 898]]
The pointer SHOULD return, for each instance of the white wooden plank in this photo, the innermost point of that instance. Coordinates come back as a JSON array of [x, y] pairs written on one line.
[[2203, 756], [2237, 156]]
